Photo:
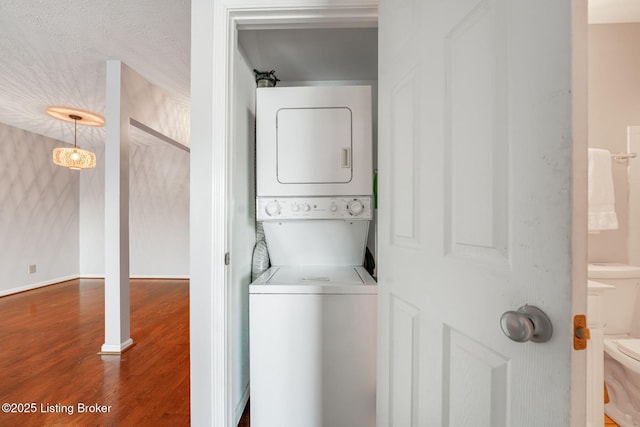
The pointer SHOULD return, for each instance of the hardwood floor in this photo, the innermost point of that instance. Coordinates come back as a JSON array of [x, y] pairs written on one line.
[[608, 422], [49, 339], [245, 420]]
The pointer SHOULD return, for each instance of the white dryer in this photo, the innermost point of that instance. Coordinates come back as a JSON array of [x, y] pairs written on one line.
[[314, 141]]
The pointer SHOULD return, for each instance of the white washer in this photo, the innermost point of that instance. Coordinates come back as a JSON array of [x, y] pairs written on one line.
[[313, 347]]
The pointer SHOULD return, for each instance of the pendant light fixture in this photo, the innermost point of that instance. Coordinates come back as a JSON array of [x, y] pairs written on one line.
[[75, 158]]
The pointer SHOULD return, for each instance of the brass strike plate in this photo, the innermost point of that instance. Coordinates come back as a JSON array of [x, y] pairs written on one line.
[[580, 332]]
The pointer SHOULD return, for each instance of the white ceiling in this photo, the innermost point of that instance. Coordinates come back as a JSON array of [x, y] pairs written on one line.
[[54, 53]]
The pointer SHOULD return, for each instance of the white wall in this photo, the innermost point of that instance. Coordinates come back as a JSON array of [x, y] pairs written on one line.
[[159, 211], [242, 218], [92, 217], [38, 212]]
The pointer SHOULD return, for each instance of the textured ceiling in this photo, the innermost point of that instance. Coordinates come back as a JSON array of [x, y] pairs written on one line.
[[54, 53]]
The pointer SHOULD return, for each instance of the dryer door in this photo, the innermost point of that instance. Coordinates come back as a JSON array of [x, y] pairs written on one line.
[[314, 145], [314, 141]]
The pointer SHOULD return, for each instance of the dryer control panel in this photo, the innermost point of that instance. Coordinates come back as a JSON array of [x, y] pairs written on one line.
[[279, 208]]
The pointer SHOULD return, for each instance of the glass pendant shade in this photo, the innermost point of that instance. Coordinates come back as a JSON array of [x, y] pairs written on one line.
[[74, 158]]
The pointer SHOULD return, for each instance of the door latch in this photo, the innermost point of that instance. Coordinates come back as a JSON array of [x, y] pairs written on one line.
[[580, 332]]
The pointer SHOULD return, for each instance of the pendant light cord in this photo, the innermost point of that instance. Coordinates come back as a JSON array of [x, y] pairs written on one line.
[[75, 119]]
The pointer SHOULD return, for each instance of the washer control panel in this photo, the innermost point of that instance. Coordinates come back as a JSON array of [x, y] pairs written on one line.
[[278, 208]]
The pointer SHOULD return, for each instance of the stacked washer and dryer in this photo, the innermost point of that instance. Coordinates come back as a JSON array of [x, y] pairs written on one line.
[[313, 313]]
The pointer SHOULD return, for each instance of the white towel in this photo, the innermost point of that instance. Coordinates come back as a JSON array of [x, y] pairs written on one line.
[[602, 213]]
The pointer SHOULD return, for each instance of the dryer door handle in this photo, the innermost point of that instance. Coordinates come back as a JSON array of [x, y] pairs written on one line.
[[346, 157]]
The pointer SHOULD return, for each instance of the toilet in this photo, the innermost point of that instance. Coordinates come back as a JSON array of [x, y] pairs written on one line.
[[621, 313]]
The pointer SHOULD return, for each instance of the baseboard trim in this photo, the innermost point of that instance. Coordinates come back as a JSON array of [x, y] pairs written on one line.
[[140, 276], [58, 280], [239, 409], [116, 349], [38, 285], [91, 276]]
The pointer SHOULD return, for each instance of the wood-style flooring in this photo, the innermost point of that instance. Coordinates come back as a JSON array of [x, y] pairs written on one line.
[[245, 420], [49, 339], [608, 422]]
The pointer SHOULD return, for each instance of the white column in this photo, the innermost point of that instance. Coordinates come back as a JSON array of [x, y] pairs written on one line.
[[116, 290]]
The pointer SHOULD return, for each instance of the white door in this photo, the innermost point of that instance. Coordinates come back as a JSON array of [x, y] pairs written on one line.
[[475, 210]]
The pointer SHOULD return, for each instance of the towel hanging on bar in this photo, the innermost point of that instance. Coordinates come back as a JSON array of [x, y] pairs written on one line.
[[602, 214]]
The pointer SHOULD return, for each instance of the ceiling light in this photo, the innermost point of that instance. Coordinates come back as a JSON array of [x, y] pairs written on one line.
[[64, 113], [74, 158]]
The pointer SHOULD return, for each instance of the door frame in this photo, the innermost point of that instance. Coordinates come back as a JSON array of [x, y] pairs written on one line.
[[579, 113], [213, 45]]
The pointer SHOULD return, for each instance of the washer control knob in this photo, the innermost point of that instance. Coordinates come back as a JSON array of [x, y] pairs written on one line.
[[305, 207], [295, 207], [355, 207], [333, 207], [273, 208]]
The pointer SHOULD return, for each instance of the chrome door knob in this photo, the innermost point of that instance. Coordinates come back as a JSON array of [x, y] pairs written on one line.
[[528, 323]]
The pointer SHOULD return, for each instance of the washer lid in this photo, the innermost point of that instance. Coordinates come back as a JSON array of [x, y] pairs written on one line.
[[314, 280], [317, 275]]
